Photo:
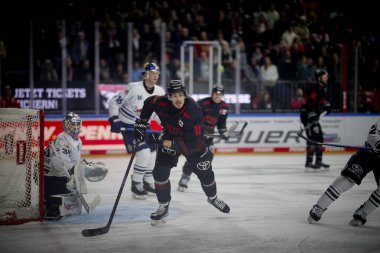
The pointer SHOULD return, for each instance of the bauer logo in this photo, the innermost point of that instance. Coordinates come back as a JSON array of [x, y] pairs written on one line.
[[356, 168], [21, 152]]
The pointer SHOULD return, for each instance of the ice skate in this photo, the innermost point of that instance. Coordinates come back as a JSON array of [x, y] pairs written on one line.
[[312, 168], [160, 215], [149, 188], [322, 166], [138, 191], [52, 209], [52, 213], [315, 214], [219, 204], [182, 185], [359, 217]]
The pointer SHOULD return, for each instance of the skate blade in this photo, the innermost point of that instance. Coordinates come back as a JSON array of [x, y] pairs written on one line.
[[181, 189], [310, 170], [151, 193], [355, 223], [157, 222], [311, 220], [142, 197]]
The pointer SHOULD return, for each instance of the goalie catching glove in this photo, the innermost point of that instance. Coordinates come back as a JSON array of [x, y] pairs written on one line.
[[95, 172], [140, 129]]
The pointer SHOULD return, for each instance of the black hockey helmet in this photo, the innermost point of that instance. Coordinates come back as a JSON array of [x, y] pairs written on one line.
[[217, 88], [175, 86], [320, 72]]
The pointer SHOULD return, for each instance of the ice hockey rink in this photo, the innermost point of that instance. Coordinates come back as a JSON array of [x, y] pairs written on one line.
[[269, 195]]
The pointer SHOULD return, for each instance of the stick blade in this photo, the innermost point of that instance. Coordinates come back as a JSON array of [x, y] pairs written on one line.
[[232, 128], [95, 202], [95, 231]]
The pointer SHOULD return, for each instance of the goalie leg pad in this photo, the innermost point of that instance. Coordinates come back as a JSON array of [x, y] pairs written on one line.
[[69, 204]]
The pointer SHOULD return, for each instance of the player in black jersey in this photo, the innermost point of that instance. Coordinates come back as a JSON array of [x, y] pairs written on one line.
[[215, 113], [183, 134], [315, 105]]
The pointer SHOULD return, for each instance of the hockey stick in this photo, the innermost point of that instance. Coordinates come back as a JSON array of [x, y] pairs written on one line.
[[103, 230], [123, 129], [231, 131], [330, 144]]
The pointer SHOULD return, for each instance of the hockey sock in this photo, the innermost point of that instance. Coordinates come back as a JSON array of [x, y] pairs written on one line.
[[332, 193], [186, 170], [141, 164], [148, 176], [373, 202], [210, 189], [163, 191]]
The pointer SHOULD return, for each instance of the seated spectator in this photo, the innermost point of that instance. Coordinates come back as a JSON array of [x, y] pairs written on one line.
[[8, 100], [262, 100], [48, 72], [298, 100]]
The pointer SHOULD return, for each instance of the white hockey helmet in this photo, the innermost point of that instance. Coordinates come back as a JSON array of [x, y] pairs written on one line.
[[72, 124]]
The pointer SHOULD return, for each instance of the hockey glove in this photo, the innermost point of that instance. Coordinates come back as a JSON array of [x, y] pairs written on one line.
[[115, 124], [140, 130], [222, 135], [156, 137], [327, 107], [312, 117]]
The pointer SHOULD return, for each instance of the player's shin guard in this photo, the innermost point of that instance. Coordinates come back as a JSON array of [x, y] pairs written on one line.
[[148, 179], [318, 161], [163, 191]]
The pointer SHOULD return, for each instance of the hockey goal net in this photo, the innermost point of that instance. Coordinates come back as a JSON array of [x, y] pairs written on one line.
[[21, 165]]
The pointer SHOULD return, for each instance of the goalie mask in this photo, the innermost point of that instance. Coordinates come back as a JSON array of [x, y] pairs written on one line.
[[72, 124]]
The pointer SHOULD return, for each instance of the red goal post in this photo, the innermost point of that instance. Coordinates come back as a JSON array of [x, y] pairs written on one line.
[[21, 165]]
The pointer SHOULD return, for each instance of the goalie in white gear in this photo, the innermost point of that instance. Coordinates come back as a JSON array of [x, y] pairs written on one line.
[[64, 171], [124, 110], [357, 167]]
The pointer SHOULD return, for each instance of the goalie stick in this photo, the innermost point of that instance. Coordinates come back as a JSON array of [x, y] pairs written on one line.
[[330, 144], [106, 228]]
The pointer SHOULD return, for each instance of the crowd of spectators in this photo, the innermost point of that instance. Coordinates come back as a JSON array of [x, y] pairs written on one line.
[[280, 42]]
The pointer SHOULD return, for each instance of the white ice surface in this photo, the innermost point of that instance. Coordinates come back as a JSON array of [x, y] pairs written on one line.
[[269, 195]]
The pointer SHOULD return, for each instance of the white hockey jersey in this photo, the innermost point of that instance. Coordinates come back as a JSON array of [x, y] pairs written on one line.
[[127, 104], [373, 138], [61, 155]]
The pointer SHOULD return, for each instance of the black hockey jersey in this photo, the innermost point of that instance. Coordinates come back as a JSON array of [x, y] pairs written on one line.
[[214, 114], [183, 126]]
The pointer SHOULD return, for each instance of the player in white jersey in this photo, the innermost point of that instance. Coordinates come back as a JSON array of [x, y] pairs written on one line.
[[358, 166], [124, 109], [64, 171]]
